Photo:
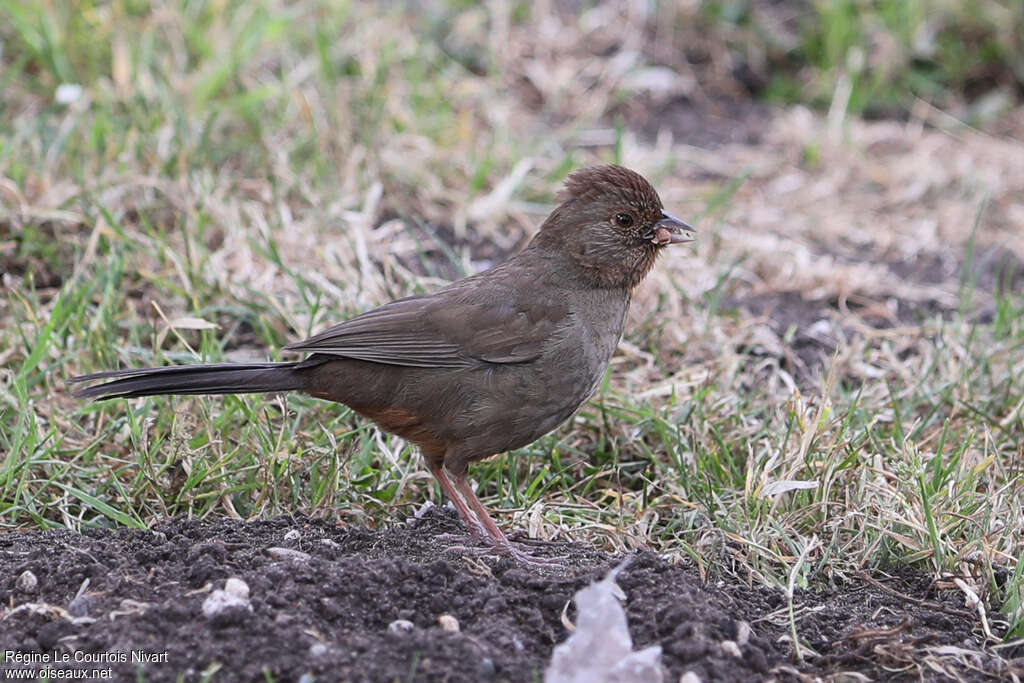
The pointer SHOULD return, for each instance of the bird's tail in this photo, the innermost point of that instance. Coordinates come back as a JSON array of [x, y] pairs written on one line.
[[222, 378]]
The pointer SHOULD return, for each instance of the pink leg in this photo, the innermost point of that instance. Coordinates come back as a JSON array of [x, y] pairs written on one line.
[[497, 538], [475, 525], [495, 534], [475, 516]]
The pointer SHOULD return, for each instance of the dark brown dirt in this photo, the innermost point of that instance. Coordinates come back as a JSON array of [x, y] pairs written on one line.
[[327, 614]]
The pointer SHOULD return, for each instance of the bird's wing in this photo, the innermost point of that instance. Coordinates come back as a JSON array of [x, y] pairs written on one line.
[[455, 327]]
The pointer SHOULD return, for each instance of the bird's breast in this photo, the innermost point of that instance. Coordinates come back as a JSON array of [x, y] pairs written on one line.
[[599, 320]]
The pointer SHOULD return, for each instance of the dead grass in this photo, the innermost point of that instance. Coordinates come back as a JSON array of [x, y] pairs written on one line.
[[829, 380]]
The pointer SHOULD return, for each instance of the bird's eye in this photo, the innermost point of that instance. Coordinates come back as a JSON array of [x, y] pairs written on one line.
[[623, 220]]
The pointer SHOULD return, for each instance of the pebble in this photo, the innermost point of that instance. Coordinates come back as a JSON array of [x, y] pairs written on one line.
[[235, 594], [237, 588], [317, 650], [730, 647], [288, 554], [401, 626], [26, 582], [423, 509], [689, 677], [79, 606], [448, 623], [486, 668], [292, 535], [743, 632]]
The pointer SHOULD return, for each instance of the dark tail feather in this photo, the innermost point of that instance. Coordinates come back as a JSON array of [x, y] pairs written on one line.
[[223, 378]]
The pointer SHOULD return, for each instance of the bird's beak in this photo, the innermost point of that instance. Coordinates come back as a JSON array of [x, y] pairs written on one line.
[[671, 230]]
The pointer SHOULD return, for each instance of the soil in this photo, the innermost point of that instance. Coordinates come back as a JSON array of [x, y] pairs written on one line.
[[322, 597]]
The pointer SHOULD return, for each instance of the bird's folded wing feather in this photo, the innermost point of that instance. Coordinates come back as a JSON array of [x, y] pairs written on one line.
[[448, 329]]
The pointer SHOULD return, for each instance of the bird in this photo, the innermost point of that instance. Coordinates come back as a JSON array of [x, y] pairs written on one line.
[[487, 364]]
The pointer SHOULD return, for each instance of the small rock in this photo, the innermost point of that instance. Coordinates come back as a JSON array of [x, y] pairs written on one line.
[[79, 606], [486, 668], [237, 588], [26, 582], [743, 632], [307, 678], [423, 509], [328, 542], [292, 536], [401, 626], [448, 623], [689, 677], [730, 647], [235, 595], [289, 554], [317, 650]]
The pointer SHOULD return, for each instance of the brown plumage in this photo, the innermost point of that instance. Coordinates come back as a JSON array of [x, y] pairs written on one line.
[[487, 364]]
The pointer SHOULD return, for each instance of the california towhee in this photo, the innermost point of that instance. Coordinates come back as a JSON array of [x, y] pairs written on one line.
[[487, 364]]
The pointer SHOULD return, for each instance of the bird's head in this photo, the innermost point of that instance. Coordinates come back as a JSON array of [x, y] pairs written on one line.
[[612, 225]]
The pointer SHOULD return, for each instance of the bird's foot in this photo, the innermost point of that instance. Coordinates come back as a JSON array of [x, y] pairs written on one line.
[[519, 536], [481, 527], [488, 546], [526, 556]]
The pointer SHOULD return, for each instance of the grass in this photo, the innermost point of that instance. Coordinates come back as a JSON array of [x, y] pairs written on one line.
[[876, 57], [238, 175]]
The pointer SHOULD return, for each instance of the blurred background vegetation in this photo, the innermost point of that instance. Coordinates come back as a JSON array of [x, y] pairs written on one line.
[[965, 55]]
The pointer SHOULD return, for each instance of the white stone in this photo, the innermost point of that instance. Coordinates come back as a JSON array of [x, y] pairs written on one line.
[[26, 581], [401, 626], [288, 554], [234, 594], [448, 623]]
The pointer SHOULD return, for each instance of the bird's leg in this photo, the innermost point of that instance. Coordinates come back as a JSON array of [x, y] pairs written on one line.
[[472, 511], [496, 537], [476, 527], [493, 532]]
